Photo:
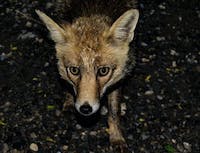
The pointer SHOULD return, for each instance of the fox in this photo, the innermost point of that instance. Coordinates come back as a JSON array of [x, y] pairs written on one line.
[[93, 54]]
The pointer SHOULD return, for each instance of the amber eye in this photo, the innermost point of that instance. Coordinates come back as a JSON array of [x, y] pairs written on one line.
[[74, 70], [103, 71]]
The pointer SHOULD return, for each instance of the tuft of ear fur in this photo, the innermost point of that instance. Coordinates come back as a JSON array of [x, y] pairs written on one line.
[[57, 33], [122, 30]]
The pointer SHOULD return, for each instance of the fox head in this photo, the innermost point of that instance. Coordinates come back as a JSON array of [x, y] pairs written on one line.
[[92, 53]]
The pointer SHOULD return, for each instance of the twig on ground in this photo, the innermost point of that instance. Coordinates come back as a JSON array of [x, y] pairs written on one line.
[[28, 17]]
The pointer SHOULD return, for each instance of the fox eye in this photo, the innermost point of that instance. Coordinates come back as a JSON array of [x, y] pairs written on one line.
[[74, 70], [103, 71]]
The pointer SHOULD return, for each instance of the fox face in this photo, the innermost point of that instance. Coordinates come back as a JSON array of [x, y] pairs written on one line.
[[92, 53]]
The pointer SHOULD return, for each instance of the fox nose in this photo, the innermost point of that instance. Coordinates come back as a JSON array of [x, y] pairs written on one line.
[[86, 109]]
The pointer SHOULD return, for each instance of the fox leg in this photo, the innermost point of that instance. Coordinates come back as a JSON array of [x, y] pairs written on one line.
[[69, 102], [113, 120]]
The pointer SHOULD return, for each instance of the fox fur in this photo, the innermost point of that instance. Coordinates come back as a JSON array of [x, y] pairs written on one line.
[[93, 52]]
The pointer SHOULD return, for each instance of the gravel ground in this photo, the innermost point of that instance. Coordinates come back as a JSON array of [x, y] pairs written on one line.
[[162, 97]]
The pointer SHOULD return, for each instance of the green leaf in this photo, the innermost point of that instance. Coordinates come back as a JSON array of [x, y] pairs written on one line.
[[2, 123], [169, 148], [50, 140], [13, 48], [50, 107]]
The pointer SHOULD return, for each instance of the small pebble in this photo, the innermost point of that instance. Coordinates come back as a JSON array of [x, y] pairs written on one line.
[[58, 112], [149, 92], [162, 136], [130, 137], [43, 73], [49, 5], [33, 135], [46, 64], [159, 97], [1, 46], [28, 35], [174, 64], [187, 146], [126, 97], [24, 10], [123, 109], [5, 148], [173, 52], [65, 147], [78, 126], [6, 105], [160, 38], [93, 133], [28, 24], [4, 56], [13, 151], [40, 40], [145, 60], [180, 148], [162, 7], [144, 44], [34, 147], [152, 56], [104, 110], [144, 136], [173, 141]]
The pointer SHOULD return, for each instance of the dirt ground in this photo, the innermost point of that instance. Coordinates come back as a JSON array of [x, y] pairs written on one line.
[[162, 96]]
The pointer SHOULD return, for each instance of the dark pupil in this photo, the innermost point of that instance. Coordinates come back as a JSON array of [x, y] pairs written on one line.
[[74, 70], [103, 71]]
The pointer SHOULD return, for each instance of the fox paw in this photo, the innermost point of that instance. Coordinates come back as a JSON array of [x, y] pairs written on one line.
[[120, 146], [67, 107]]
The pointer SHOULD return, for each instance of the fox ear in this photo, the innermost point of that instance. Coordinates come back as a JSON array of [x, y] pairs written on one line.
[[57, 33], [123, 28]]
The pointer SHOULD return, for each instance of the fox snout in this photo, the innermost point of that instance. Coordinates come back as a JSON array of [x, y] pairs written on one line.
[[86, 108], [87, 99], [87, 103]]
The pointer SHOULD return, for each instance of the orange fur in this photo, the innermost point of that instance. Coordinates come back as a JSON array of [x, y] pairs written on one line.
[[90, 44]]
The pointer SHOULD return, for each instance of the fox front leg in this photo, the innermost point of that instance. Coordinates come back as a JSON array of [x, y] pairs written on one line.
[[115, 134]]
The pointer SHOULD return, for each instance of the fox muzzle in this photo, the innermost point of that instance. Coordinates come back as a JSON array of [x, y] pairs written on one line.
[[86, 108]]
